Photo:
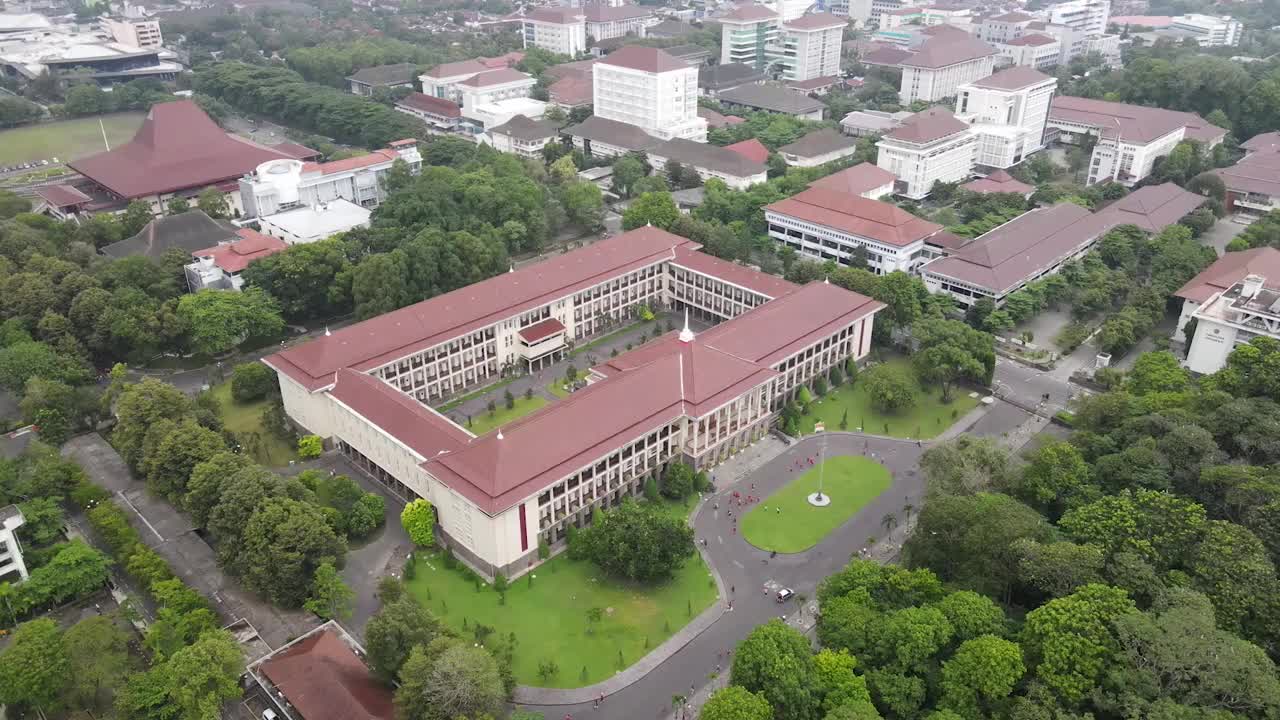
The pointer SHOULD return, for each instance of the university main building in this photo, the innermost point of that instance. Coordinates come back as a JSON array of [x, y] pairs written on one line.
[[678, 397]]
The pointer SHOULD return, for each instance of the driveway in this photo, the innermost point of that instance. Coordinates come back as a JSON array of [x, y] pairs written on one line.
[[1222, 232], [172, 535]]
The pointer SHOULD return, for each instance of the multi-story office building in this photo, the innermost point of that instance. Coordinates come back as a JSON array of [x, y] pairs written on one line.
[[1033, 50], [930, 147], [1253, 183], [613, 21], [651, 90], [942, 64], [1209, 30], [923, 16], [1221, 276], [809, 47], [523, 136], [746, 35], [443, 81], [1008, 112], [10, 549], [1004, 28], [1129, 137], [143, 34], [803, 48], [1233, 317], [560, 30], [789, 10], [694, 398], [1086, 16], [279, 185], [831, 223]]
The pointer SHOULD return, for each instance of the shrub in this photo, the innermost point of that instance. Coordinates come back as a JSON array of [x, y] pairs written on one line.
[[310, 447], [366, 515], [544, 550], [251, 381], [419, 520], [636, 541], [891, 388]]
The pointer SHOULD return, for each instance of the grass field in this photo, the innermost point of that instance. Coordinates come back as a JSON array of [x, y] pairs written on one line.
[[556, 387], [246, 419], [929, 417], [851, 481], [66, 139], [486, 421], [549, 614]]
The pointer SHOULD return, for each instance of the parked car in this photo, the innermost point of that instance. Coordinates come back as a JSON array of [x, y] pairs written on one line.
[[785, 594]]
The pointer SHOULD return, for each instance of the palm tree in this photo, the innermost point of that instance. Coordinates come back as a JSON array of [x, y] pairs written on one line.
[[889, 522]]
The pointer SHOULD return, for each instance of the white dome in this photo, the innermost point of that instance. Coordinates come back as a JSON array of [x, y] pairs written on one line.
[[282, 176]]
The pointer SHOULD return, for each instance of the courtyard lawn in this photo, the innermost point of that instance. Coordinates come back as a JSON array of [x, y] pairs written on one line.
[[852, 481], [929, 416], [486, 421], [548, 615], [556, 387], [66, 139], [245, 419]]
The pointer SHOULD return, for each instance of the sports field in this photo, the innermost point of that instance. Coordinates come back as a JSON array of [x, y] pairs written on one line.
[[786, 522], [66, 139]]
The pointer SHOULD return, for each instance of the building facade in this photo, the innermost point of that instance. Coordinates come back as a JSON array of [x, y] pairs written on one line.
[[931, 147], [1210, 30], [605, 21], [1033, 50], [649, 89], [281, 185], [143, 34], [1087, 16], [941, 65], [221, 267], [559, 30], [1233, 317], [809, 47], [1008, 112], [682, 397], [12, 567], [746, 35]]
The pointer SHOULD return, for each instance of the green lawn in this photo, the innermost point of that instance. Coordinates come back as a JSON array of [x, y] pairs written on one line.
[[556, 387], [486, 421], [928, 417], [852, 482], [549, 617], [246, 419], [66, 139]]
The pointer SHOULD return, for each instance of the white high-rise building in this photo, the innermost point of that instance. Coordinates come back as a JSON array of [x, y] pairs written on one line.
[[1209, 30], [1008, 112], [1087, 16], [790, 9], [139, 33], [808, 47], [942, 64], [930, 147], [803, 48], [650, 89], [560, 30]]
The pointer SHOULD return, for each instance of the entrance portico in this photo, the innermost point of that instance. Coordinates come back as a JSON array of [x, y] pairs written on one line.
[[542, 343]]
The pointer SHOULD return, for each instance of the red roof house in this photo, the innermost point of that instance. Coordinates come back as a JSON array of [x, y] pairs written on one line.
[[752, 149]]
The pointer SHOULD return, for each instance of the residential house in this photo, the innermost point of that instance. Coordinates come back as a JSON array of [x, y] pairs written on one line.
[[220, 267], [524, 136]]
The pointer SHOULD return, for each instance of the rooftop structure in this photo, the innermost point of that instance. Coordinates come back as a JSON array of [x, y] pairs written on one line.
[[310, 223], [279, 185], [321, 676], [188, 231], [1253, 183], [752, 149], [73, 54], [773, 99], [219, 267], [177, 149], [1153, 207], [710, 161], [714, 79], [716, 120], [998, 182], [524, 136], [364, 81], [601, 137], [818, 148], [694, 397], [1248, 309], [860, 123], [1225, 272], [864, 179]]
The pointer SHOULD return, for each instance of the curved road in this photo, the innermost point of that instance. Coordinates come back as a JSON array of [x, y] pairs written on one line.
[[750, 571]]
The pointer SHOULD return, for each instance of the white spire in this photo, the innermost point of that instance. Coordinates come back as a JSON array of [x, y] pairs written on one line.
[[826, 280], [686, 335], [326, 331], [499, 433], [512, 268]]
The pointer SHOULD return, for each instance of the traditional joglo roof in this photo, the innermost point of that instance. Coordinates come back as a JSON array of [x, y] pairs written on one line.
[[178, 147]]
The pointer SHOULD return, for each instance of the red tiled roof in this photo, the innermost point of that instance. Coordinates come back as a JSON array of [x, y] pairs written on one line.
[[998, 182], [948, 49], [351, 163], [60, 196], [541, 330], [768, 285], [856, 180], [1014, 78], [814, 83], [1258, 172], [856, 215], [1032, 39], [296, 151], [600, 12], [816, 21], [455, 69], [324, 679], [645, 59], [368, 345], [927, 126], [504, 60], [1264, 141], [751, 149], [890, 55], [428, 104], [750, 12], [1229, 270], [1012, 17], [716, 120], [418, 427], [1131, 123], [557, 16], [235, 256], [495, 77], [1153, 207], [178, 147], [572, 90]]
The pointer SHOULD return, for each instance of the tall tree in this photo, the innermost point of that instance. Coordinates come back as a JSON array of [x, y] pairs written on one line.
[[394, 631], [284, 544], [775, 661], [222, 319], [99, 655], [205, 675], [35, 667]]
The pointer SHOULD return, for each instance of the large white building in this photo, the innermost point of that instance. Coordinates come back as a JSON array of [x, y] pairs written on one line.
[[1033, 50], [1253, 183], [1130, 138], [1008, 112], [942, 64], [1248, 309], [805, 47], [930, 147], [280, 185], [1087, 16], [139, 33], [445, 80], [613, 21], [1209, 30], [10, 549], [686, 397], [560, 30], [649, 89]]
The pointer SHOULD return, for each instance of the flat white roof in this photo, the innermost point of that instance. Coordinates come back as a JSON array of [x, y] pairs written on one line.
[[324, 220]]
